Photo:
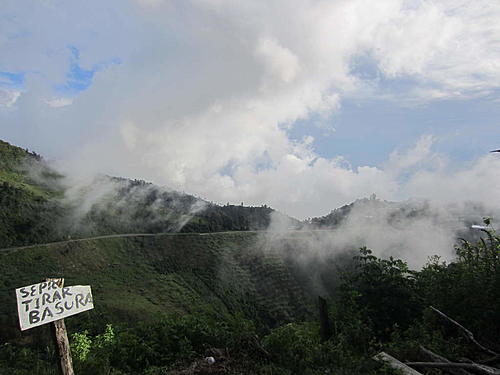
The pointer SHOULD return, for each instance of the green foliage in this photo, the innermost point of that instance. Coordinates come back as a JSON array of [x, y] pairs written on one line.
[[469, 288], [28, 188], [91, 355], [390, 302], [383, 290], [80, 345], [162, 344], [430, 332], [379, 305], [295, 346], [26, 360]]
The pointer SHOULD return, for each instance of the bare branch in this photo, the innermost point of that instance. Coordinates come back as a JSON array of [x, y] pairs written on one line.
[[438, 358], [480, 369], [467, 333], [394, 363], [491, 360]]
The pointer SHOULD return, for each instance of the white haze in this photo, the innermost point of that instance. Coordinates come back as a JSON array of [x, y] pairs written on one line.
[[118, 199], [387, 228], [106, 194], [384, 227]]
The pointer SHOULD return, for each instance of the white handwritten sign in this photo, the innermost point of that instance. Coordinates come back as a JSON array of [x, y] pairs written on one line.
[[45, 302]]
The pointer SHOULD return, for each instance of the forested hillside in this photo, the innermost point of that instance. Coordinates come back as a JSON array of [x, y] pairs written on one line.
[[29, 198], [39, 205]]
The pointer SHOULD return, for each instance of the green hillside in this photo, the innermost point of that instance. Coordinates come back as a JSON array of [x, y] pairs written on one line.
[[39, 205], [28, 206], [173, 298], [143, 280], [144, 277]]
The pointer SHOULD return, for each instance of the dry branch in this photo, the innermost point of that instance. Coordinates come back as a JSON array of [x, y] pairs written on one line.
[[439, 358], [467, 333], [480, 369], [491, 360], [394, 363]]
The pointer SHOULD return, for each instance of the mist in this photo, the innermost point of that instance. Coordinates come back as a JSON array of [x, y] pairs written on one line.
[[414, 231], [89, 205]]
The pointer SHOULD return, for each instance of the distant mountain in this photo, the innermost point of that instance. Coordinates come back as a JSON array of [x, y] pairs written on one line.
[[370, 211], [38, 205]]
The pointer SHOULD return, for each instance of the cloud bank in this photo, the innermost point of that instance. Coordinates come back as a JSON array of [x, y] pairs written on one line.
[[201, 95]]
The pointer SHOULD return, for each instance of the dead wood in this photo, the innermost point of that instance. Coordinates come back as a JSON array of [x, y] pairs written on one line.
[[467, 333], [396, 364], [439, 358], [490, 361], [475, 367]]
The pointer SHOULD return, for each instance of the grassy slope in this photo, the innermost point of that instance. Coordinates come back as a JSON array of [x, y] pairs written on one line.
[[32, 213], [136, 279], [27, 212], [14, 163]]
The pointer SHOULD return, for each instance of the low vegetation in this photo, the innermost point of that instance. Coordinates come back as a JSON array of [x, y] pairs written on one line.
[[379, 304]]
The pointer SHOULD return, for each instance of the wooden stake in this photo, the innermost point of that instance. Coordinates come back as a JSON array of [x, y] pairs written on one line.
[[62, 342], [325, 330]]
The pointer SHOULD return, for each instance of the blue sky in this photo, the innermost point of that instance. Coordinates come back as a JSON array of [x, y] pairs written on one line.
[[358, 131], [77, 79], [13, 80], [302, 106]]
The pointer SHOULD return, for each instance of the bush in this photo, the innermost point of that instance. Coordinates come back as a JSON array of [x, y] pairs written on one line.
[[383, 291], [469, 288]]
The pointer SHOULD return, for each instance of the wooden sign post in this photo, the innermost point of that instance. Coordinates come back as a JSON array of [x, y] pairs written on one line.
[[61, 338], [48, 302]]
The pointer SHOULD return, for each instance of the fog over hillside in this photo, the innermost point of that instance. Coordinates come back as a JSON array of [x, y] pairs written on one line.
[[413, 230]]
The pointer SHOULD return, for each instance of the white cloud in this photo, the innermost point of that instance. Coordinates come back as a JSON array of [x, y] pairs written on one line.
[[279, 61], [421, 153], [446, 43], [479, 181], [8, 97], [211, 86], [150, 3], [59, 102]]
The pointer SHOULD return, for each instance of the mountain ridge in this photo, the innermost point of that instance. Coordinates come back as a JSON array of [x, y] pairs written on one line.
[[36, 206]]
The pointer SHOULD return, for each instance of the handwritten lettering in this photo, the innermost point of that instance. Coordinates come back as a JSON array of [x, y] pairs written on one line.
[[45, 302]]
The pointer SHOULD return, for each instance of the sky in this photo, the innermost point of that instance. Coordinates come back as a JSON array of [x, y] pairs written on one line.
[[302, 105]]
